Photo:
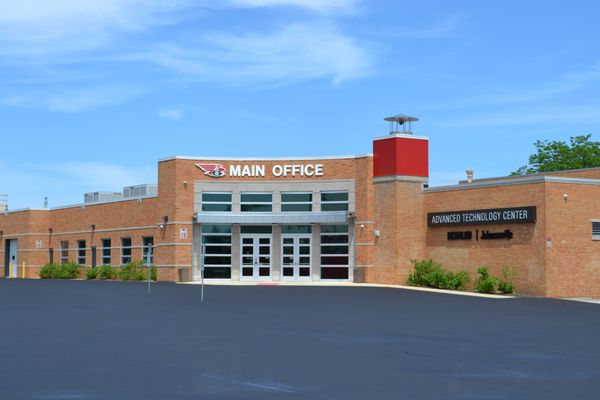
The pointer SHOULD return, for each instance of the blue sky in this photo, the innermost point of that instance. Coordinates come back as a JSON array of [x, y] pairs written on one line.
[[93, 93]]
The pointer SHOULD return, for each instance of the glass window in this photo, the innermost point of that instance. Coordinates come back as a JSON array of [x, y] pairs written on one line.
[[216, 202], [256, 202], [334, 252], [296, 202], [216, 244], [106, 252], [64, 251], [81, 252], [148, 250], [256, 229], [125, 250], [334, 201], [296, 229]]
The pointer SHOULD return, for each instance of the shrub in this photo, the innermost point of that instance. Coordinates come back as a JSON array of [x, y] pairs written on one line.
[[428, 273], [153, 274], [505, 285], [485, 283], [68, 270], [133, 271], [106, 272], [91, 273]]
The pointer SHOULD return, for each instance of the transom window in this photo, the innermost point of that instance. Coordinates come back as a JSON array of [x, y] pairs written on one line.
[[216, 246], [256, 202], [334, 251], [296, 201], [334, 201], [216, 201]]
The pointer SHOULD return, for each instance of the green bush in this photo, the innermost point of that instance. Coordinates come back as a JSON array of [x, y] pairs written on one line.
[[133, 271], [153, 274], [106, 272], [68, 270], [485, 283], [91, 273], [505, 284], [428, 273]]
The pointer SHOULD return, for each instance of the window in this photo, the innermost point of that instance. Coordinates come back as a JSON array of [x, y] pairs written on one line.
[[257, 202], [596, 230], [334, 201], [64, 251], [296, 202], [334, 252], [216, 201], [106, 252], [288, 229], [216, 246], [148, 250], [125, 250], [81, 252]]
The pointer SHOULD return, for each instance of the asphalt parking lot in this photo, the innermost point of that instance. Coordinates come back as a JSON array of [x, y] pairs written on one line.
[[111, 340]]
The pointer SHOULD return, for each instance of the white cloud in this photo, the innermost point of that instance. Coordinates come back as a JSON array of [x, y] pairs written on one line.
[[323, 6], [74, 100], [294, 53], [443, 28], [174, 114]]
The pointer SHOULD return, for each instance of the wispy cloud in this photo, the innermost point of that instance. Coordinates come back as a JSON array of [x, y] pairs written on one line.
[[321, 6], [173, 114], [294, 53], [74, 100], [447, 26]]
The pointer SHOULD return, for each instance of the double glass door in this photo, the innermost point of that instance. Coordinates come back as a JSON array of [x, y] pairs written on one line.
[[256, 257], [295, 257]]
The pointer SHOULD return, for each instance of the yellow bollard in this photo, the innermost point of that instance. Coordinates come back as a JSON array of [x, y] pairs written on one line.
[[23, 273], [10, 269]]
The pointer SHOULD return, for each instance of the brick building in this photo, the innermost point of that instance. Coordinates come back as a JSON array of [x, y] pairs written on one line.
[[350, 218]]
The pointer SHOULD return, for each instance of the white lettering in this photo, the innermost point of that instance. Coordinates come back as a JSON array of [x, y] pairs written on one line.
[[319, 170], [260, 170], [234, 170], [277, 170], [309, 170]]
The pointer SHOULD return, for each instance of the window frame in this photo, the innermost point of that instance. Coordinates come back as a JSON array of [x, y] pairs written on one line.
[[256, 203], [304, 202], [128, 248], [334, 203], [81, 252], [64, 251], [210, 203], [106, 252]]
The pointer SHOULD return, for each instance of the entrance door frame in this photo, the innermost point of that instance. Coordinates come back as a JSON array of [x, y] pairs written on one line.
[[9, 250], [296, 255], [256, 256]]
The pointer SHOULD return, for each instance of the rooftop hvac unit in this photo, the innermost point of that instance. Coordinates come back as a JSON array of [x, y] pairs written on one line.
[[132, 192], [102, 197]]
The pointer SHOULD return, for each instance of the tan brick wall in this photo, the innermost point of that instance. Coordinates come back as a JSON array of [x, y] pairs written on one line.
[[524, 254], [573, 261]]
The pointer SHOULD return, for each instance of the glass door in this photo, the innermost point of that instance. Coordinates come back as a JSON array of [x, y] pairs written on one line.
[[256, 257], [295, 257]]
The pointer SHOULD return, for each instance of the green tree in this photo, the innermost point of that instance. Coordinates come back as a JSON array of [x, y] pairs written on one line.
[[557, 155]]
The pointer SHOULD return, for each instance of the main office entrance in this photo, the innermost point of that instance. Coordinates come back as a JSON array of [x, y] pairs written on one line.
[[296, 256], [256, 256]]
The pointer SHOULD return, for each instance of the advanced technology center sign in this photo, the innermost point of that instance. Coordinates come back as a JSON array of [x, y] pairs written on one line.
[[481, 217]]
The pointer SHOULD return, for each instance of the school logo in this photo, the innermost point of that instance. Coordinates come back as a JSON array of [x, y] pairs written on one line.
[[212, 170]]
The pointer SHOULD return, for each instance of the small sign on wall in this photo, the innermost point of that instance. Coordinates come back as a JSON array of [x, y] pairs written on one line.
[[38, 244], [183, 233]]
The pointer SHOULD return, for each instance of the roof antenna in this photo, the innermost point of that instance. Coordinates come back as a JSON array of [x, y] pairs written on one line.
[[45, 202], [400, 124]]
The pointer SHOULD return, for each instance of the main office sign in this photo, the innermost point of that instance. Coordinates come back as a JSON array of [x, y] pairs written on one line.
[[215, 170], [481, 217]]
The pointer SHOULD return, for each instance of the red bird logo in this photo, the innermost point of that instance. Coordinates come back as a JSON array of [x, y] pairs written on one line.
[[212, 170]]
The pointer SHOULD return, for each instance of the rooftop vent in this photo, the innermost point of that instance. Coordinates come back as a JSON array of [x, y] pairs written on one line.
[[400, 124]]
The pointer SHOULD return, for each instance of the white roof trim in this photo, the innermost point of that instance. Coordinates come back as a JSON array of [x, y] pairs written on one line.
[[514, 181], [213, 158]]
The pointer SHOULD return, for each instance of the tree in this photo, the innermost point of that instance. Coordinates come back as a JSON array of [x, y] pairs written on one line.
[[559, 156]]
